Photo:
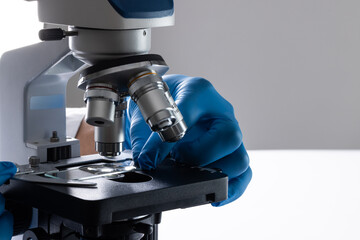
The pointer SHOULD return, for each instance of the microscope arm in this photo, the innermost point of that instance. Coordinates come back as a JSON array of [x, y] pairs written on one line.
[[33, 97]]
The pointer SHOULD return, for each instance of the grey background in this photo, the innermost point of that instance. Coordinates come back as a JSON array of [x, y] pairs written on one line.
[[289, 67]]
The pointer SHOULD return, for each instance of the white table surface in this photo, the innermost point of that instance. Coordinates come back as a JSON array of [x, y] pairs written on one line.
[[293, 195]]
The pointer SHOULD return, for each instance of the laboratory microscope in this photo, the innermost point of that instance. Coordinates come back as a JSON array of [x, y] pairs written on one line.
[[58, 194]]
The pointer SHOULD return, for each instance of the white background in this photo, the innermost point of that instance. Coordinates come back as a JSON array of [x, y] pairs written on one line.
[[18, 23], [289, 67]]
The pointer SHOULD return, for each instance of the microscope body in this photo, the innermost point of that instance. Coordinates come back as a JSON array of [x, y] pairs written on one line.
[[115, 42], [33, 98], [36, 76], [101, 196]]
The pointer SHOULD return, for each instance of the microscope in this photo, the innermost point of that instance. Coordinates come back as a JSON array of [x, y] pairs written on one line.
[[58, 194]]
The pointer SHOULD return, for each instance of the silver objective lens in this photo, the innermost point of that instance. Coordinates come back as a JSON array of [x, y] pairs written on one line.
[[100, 102], [157, 106], [109, 140], [105, 111]]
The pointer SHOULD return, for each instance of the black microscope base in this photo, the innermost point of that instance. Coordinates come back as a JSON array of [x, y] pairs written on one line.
[[89, 210]]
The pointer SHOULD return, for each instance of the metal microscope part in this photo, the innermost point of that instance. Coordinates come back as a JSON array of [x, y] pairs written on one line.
[[139, 76], [36, 174], [111, 174], [106, 89], [34, 162], [98, 45], [77, 176], [105, 111], [109, 140], [117, 73], [99, 14], [101, 100], [56, 181], [157, 106]]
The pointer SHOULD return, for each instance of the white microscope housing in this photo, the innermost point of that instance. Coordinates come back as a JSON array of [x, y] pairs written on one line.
[[34, 78]]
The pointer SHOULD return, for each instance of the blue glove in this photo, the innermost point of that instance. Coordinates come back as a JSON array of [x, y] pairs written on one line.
[[213, 138], [7, 170]]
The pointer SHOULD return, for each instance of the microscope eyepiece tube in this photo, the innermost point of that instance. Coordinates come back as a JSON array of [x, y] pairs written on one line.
[[157, 106]]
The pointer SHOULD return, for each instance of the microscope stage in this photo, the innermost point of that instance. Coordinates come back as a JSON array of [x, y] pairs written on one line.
[[135, 193]]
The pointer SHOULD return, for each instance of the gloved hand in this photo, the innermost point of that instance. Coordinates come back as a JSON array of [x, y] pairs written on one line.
[[213, 138], [7, 170]]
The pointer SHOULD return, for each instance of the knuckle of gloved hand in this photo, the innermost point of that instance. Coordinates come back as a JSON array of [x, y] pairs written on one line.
[[246, 162], [233, 135], [230, 107], [243, 160], [200, 84]]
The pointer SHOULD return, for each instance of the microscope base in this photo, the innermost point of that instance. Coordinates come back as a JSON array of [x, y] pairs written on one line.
[[92, 211]]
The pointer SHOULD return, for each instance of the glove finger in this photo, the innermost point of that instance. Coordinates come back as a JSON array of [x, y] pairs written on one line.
[[192, 99], [127, 142], [154, 152], [148, 148], [222, 138], [7, 170], [139, 132], [233, 164], [237, 187]]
